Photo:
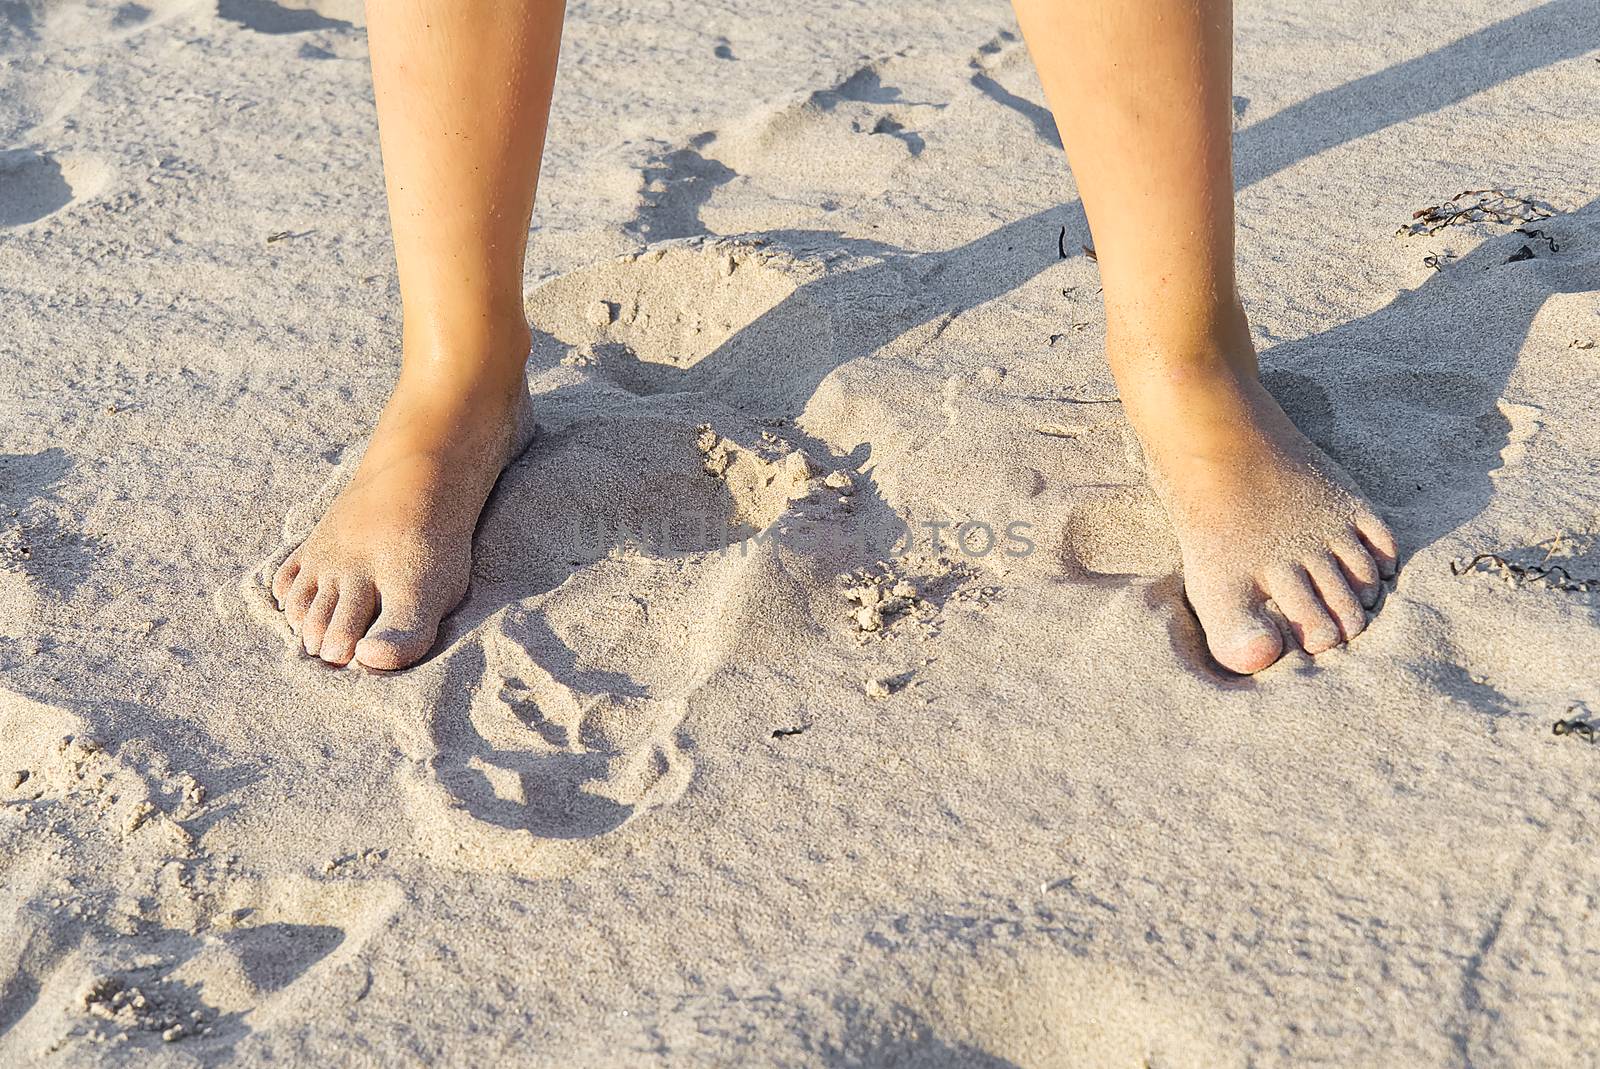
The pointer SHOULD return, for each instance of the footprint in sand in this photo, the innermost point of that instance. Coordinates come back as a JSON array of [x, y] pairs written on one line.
[[28, 24], [291, 16], [864, 117], [700, 318], [19, 22], [51, 95], [35, 185], [676, 184], [523, 768], [1005, 56], [32, 186], [156, 942], [36, 182], [167, 986], [554, 712], [154, 987]]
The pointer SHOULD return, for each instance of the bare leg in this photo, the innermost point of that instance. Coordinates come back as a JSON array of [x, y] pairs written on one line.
[[1141, 94], [463, 92]]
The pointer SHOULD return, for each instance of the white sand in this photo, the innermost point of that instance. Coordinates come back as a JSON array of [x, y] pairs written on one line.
[[578, 834]]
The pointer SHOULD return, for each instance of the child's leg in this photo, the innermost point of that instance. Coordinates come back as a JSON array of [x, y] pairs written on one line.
[[1141, 94], [463, 91]]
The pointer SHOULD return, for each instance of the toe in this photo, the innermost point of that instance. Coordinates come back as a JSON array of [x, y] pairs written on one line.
[[1239, 633], [284, 577], [400, 637], [1342, 604], [315, 622], [1379, 540], [301, 594], [1308, 617], [358, 604], [1360, 570]]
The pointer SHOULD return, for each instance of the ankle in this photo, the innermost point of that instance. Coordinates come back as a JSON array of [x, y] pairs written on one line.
[[1184, 346], [1182, 383], [488, 352]]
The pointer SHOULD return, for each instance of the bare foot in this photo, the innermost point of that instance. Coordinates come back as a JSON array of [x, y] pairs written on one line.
[[393, 554], [1261, 514]]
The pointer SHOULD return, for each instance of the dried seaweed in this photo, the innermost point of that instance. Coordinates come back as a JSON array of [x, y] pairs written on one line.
[[1545, 236], [1487, 206], [1553, 575], [1576, 726]]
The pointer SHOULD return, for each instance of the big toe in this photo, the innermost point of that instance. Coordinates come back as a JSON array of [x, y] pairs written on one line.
[[400, 637], [1239, 633]]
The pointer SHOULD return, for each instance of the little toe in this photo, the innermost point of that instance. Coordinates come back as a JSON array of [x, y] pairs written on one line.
[[1239, 633], [1328, 578], [315, 621], [358, 604], [1308, 617], [400, 637], [1360, 570], [301, 594], [1380, 541], [284, 577]]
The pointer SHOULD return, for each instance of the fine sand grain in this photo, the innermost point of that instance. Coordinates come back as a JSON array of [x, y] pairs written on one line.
[[724, 761]]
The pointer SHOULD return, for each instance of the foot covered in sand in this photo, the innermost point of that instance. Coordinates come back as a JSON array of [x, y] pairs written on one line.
[[1277, 542], [392, 556]]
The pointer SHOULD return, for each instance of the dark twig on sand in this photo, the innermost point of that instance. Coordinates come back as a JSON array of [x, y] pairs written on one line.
[[1061, 247]]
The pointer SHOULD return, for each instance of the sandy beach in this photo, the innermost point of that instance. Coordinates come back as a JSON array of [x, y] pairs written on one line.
[[734, 756]]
